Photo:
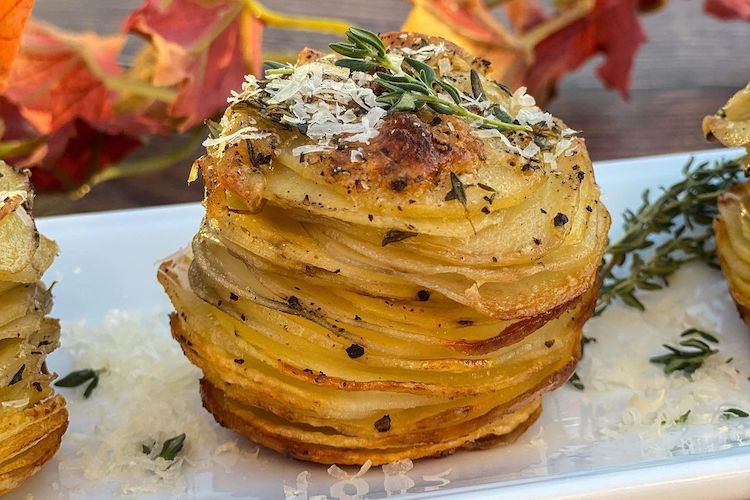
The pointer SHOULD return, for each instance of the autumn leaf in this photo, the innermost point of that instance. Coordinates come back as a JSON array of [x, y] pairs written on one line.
[[610, 28], [57, 111], [13, 16], [537, 48], [728, 9], [470, 25], [201, 50], [59, 77], [75, 153]]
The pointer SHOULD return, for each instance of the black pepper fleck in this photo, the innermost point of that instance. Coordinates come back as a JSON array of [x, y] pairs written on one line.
[[560, 219], [355, 351], [423, 295], [383, 424], [294, 303]]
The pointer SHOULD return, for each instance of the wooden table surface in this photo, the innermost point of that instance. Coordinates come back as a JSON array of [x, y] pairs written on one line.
[[689, 67]]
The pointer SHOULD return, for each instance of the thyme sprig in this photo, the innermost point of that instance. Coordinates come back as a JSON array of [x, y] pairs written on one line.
[[684, 211], [687, 360], [411, 84]]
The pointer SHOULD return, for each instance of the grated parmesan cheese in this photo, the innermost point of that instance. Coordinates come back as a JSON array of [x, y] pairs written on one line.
[[635, 397], [148, 394]]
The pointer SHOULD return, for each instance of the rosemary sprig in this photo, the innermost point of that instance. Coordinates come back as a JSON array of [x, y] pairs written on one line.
[[684, 211], [411, 84], [687, 360], [79, 377]]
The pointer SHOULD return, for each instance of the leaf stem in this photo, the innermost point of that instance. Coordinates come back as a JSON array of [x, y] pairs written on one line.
[[272, 18], [144, 166]]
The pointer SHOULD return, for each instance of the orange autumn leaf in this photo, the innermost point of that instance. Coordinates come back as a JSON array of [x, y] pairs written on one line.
[[611, 28], [536, 49], [61, 89], [728, 9], [59, 77], [202, 50], [470, 24], [13, 16]]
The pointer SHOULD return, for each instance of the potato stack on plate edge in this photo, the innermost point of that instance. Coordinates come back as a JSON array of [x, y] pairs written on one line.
[[731, 126], [32, 418], [397, 256]]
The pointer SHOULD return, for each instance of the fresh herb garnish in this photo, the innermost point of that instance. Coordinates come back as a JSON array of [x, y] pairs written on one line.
[[687, 360], [458, 191], [576, 382], [682, 418], [172, 447], [684, 211], [18, 376], [395, 235], [735, 413], [411, 84], [169, 449], [76, 378]]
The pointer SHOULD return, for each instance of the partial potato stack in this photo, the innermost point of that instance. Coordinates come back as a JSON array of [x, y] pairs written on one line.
[[32, 418], [377, 286], [731, 126]]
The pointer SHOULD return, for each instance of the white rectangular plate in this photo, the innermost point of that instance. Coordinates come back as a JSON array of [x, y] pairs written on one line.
[[108, 261]]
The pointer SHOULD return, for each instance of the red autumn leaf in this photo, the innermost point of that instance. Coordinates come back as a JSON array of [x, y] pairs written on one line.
[[58, 77], [200, 49], [77, 152], [611, 28], [13, 16], [728, 9]]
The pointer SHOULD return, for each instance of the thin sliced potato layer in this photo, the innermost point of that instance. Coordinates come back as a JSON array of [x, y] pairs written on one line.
[[32, 418], [732, 229], [409, 299]]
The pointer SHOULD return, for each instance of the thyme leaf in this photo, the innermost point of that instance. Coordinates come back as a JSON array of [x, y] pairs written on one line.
[[734, 413], [458, 191], [172, 447], [682, 418], [687, 360], [684, 211], [18, 376], [576, 382], [395, 235]]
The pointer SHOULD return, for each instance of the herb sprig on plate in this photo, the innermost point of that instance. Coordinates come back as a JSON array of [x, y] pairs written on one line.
[[169, 449], [80, 377], [688, 360], [684, 211], [412, 84]]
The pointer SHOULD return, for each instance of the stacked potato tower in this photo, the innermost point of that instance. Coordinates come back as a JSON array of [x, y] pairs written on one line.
[[32, 418], [376, 279]]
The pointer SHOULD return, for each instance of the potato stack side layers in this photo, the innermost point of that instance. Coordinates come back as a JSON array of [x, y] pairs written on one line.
[[32, 418], [731, 126], [378, 284]]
